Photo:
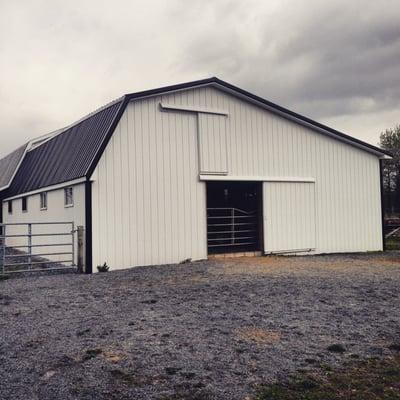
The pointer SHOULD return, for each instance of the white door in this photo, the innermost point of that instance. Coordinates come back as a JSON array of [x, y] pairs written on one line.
[[289, 216]]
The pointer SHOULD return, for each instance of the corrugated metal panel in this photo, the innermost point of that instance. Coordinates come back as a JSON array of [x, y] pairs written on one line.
[[212, 143], [9, 164], [65, 157], [289, 216], [148, 205]]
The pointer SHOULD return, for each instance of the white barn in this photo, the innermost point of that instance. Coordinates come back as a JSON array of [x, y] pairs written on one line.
[[204, 167]]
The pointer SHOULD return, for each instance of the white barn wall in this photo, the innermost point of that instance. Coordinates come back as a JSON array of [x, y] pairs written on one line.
[[148, 202], [148, 205], [56, 212]]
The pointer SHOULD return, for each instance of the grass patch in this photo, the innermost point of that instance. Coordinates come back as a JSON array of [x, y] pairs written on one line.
[[336, 348], [392, 243], [258, 335], [370, 379]]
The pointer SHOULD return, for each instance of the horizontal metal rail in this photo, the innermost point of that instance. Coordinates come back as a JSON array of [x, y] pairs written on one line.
[[36, 234], [230, 209], [37, 263], [236, 224], [230, 238], [36, 223], [241, 231], [228, 227], [236, 217], [39, 270], [233, 244], [11, 238], [36, 255], [42, 245]]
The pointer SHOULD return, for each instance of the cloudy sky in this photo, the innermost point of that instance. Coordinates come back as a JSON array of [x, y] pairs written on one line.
[[336, 61]]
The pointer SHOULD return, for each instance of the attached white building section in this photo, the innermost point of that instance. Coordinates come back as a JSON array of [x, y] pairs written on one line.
[[56, 211], [149, 203]]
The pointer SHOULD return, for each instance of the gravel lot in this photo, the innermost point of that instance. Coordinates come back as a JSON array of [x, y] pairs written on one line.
[[205, 330]]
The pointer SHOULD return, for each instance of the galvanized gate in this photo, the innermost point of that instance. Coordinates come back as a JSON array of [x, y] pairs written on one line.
[[231, 229], [21, 244]]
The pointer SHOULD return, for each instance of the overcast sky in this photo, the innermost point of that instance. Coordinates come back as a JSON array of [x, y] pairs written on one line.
[[335, 61]]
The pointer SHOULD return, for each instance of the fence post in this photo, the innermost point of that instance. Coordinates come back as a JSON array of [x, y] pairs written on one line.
[[30, 246], [73, 243], [81, 242], [3, 248], [233, 225]]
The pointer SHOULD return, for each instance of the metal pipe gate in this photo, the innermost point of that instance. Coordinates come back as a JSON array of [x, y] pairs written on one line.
[[231, 228], [10, 251]]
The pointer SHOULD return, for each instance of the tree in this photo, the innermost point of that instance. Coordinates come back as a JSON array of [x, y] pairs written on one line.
[[390, 140]]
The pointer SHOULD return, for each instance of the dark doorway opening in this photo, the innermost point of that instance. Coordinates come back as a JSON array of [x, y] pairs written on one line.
[[234, 215]]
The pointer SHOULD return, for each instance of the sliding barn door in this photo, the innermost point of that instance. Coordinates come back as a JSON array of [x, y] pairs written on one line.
[[289, 216]]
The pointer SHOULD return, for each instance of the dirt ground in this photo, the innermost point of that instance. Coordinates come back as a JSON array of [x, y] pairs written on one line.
[[203, 330]]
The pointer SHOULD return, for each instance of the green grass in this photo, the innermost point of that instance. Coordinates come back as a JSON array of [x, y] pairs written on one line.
[[392, 243], [370, 379]]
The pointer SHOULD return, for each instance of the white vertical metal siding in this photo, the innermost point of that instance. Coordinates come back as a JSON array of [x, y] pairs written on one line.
[[56, 212], [149, 206], [289, 216], [212, 143]]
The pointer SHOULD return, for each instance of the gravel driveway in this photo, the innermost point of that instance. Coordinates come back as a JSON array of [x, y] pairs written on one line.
[[204, 330]]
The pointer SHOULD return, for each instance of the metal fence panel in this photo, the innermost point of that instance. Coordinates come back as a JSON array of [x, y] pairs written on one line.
[[12, 255]]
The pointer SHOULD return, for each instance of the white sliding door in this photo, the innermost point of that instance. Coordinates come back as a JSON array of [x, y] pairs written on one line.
[[289, 216]]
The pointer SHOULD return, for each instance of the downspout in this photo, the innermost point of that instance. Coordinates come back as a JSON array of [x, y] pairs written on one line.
[[88, 228], [382, 203]]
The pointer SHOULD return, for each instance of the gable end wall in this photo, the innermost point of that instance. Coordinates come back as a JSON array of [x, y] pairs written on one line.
[[149, 206]]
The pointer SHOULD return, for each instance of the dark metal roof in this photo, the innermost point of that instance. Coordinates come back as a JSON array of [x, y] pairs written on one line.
[[9, 164], [65, 157], [75, 152]]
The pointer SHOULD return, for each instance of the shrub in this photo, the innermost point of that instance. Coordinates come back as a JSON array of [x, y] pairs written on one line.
[[103, 268]]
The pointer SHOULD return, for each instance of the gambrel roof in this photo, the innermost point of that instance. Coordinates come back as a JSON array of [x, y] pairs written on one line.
[[9, 166], [74, 152]]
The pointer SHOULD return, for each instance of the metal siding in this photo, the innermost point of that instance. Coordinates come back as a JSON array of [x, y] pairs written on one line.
[[289, 216], [153, 158], [148, 204], [212, 143], [65, 157], [56, 212]]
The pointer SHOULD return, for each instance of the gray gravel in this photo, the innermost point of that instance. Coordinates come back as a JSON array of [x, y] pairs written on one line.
[[205, 330]]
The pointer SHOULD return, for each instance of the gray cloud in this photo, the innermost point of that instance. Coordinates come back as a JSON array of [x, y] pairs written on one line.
[[335, 61]]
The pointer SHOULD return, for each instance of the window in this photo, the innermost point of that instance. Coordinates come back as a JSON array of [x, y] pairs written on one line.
[[43, 201], [68, 197], [24, 204], [10, 207]]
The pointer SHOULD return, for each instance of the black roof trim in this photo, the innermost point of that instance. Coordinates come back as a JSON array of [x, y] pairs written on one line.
[[280, 109], [50, 164], [302, 117]]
